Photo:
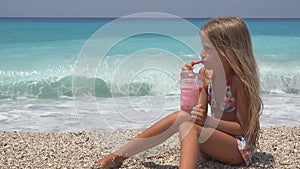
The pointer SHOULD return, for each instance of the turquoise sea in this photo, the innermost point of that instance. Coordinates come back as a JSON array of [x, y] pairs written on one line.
[[136, 82]]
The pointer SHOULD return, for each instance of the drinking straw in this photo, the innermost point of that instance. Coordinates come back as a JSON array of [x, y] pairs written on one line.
[[196, 62]]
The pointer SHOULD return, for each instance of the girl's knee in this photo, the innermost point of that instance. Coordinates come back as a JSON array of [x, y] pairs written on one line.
[[189, 129], [181, 116], [185, 116], [184, 128]]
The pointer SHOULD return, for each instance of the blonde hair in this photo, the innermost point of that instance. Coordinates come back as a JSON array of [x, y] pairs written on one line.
[[231, 39]]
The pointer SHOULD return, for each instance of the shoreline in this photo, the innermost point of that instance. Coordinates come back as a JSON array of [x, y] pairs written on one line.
[[279, 147]]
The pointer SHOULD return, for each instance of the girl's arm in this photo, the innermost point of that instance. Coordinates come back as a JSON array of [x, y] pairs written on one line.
[[203, 95], [232, 128], [199, 112]]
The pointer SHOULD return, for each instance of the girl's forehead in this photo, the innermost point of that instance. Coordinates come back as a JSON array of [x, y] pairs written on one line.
[[204, 40], [203, 37]]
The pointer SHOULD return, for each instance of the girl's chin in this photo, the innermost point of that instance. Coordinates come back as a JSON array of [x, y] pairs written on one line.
[[212, 66], [208, 66]]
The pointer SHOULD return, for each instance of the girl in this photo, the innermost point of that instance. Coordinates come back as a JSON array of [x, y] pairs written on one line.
[[230, 133]]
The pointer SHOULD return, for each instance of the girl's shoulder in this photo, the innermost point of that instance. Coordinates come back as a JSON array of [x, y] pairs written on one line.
[[237, 82], [237, 85]]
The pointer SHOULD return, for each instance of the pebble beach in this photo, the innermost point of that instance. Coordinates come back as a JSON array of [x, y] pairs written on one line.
[[279, 147]]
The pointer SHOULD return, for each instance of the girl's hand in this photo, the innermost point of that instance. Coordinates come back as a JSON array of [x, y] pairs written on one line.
[[188, 66], [199, 114]]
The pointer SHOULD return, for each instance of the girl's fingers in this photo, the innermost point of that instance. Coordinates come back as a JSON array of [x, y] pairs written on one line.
[[184, 68], [195, 109], [194, 113], [193, 119], [188, 66]]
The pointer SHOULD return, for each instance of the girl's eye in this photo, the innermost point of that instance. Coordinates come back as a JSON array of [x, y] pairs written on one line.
[[207, 48]]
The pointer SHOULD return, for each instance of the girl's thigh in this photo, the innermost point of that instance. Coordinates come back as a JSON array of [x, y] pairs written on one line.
[[220, 146]]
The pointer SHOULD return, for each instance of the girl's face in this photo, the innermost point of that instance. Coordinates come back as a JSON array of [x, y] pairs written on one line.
[[209, 54]]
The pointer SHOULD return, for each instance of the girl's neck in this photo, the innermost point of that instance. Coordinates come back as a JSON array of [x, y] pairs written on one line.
[[227, 72], [220, 73]]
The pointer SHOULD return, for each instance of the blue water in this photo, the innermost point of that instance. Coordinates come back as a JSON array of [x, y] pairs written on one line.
[[39, 57]]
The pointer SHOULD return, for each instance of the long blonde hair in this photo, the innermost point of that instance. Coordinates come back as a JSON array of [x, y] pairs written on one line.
[[231, 39]]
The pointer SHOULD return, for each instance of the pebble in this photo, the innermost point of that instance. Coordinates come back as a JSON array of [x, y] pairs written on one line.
[[278, 148]]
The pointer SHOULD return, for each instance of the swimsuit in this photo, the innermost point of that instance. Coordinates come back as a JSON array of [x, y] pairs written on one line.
[[229, 105], [245, 148]]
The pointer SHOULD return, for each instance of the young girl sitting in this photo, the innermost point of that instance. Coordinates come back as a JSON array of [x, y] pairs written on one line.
[[232, 90]]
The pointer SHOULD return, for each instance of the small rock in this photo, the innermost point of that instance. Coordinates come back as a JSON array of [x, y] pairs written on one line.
[[285, 162]]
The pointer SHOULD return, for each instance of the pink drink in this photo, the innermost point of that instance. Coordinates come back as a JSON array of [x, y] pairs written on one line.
[[190, 86]]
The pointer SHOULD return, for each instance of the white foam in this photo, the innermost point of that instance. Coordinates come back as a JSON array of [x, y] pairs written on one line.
[[121, 113]]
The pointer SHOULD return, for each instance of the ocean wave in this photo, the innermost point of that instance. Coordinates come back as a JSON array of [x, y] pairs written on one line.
[[70, 87], [276, 76], [277, 81], [73, 87]]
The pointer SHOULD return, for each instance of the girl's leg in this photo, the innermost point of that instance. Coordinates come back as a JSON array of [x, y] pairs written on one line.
[[151, 137], [215, 143], [222, 147], [189, 136]]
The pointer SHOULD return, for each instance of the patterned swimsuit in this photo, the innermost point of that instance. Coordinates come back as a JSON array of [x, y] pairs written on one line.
[[229, 105]]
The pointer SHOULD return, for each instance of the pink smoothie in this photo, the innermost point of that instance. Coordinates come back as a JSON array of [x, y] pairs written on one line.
[[190, 86], [189, 96]]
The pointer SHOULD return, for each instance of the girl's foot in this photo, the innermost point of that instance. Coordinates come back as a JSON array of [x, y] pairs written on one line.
[[110, 161]]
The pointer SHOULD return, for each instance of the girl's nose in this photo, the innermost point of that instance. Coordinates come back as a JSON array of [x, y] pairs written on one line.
[[202, 54]]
